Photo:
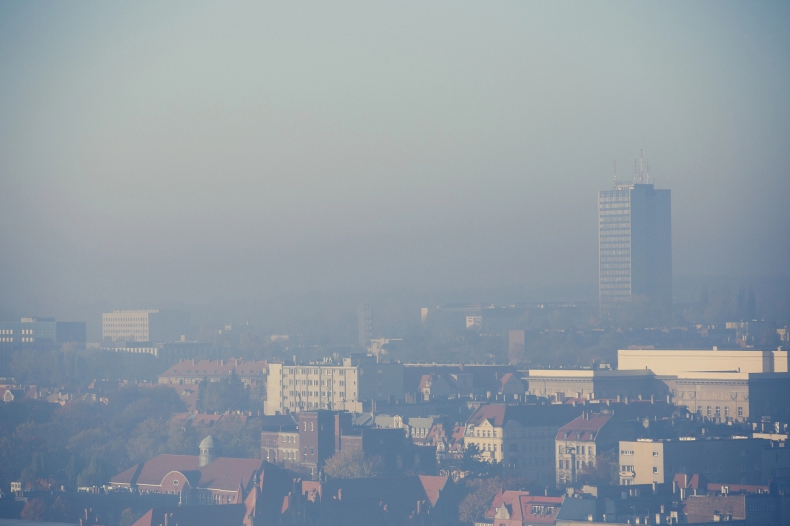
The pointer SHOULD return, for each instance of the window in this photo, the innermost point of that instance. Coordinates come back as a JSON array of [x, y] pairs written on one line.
[[740, 411], [708, 411], [718, 411], [655, 469], [726, 410], [655, 453]]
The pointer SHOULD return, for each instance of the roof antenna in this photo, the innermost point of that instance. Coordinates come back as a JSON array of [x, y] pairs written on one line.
[[615, 172], [634, 171], [640, 165], [648, 171]]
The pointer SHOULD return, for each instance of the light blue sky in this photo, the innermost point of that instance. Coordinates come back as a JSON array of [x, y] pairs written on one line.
[[154, 151]]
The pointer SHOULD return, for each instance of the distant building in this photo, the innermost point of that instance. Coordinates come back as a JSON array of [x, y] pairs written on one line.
[[635, 247], [250, 372], [580, 442], [365, 321], [197, 479], [307, 440], [725, 460], [293, 388], [41, 334], [593, 384], [714, 383], [424, 382], [519, 508], [144, 325], [521, 438], [169, 353]]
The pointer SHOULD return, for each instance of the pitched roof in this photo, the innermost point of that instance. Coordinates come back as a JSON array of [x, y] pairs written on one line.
[[526, 415], [584, 427], [228, 514], [519, 506], [153, 471], [433, 485], [224, 473], [221, 474]]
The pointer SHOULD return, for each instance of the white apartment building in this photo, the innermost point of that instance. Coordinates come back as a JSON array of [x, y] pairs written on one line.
[[126, 325], [144, 325], [293, 388]]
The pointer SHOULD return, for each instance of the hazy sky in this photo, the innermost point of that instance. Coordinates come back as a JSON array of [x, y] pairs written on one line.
[[190, 152]]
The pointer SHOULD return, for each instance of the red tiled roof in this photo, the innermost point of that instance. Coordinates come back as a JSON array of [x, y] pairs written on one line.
[[221, 474], [433, 486], [519, 505], [227, 515], [493, 412], [154, 470], [583, 427], [225, 473]]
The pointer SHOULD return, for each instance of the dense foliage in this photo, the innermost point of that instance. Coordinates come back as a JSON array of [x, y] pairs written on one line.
[[84, 443]]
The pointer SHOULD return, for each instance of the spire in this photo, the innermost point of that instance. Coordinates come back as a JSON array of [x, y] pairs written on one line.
[[239, 499]]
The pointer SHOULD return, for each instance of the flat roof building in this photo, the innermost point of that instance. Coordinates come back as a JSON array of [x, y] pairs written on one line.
[[634, 247]]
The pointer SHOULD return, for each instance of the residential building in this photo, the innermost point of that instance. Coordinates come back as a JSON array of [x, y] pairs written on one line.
[[725, 460], [519, 508], [250, 372], [310, 438], [387, 500], [519, 437], [580, 443], [635, 247], [455, 380], [293, 388], [145, 325]]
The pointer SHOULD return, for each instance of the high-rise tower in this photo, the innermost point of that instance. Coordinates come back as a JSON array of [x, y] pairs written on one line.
[[634, 248]]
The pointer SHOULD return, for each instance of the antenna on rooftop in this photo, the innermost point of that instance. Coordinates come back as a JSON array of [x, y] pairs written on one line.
[[615, 172], [640, 165], [648, 171]]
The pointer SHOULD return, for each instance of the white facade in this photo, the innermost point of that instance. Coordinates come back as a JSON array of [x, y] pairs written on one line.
[[126, 325], [293, 388]]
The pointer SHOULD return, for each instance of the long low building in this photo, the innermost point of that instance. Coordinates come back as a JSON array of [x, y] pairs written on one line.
[[710, 382], [592, 384], [689, 362]]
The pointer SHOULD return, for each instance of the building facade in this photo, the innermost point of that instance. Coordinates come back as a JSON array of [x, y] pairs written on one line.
[[293, 388], [725, 460], [144, 325], [521, 438], [635, 246], [578, 445]]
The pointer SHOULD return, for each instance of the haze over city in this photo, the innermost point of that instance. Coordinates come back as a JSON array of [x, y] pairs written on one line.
[[212, 154], [398, 263]]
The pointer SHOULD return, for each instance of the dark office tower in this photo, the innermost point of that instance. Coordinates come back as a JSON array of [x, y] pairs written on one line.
[[365, 325], [634, 249]]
